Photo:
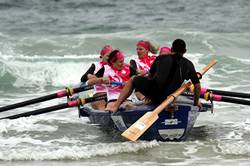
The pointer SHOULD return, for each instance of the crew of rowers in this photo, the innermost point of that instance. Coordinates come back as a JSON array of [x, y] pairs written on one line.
[[111, 67]]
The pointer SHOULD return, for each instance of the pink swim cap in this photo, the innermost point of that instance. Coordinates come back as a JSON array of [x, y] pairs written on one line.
[[165, 50], [106, 49], [143, 44]]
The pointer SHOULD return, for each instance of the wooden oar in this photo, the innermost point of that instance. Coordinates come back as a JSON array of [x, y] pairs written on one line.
[[62, 93], [141, 125], [78, 102]]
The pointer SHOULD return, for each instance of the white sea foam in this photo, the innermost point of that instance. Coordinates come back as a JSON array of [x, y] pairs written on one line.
[[55, 58], [53, 152], [209, 45], [42, 122], [234, 148], [25, 124], [44, 73], [241, 60], [12, 142], [55, 70]]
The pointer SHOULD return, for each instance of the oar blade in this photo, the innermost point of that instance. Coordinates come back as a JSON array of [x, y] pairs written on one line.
[[140, 126]]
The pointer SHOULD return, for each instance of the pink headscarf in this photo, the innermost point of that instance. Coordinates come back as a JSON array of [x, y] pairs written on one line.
[[118, 56], [143, 44], [165, 50], [106, 49]]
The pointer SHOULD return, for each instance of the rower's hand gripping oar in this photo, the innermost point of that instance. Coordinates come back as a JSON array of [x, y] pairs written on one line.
[[62, 93], [141, 125], [79, 102]]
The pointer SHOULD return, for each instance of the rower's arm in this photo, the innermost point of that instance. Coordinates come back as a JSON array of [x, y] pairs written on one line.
[[197, 92], [195, 80]]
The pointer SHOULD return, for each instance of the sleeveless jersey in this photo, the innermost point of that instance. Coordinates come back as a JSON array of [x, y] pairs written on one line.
[[99, 88], [145, 62], [113, 91]]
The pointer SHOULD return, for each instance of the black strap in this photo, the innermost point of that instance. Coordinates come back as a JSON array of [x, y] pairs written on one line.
[[199, 75], [132, 68], [91, 70], [100, 72]]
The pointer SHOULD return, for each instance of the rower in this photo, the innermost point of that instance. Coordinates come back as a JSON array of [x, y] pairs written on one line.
[[99, 89], [116, 71], [143, 61], [165, 51]]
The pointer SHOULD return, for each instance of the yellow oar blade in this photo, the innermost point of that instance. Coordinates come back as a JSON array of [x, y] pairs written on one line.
[[140, 126]]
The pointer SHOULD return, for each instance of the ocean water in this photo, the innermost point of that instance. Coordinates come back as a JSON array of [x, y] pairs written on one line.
[[47, 45]]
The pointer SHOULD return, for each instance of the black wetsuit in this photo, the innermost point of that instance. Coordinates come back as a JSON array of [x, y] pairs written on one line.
[[167, 74]]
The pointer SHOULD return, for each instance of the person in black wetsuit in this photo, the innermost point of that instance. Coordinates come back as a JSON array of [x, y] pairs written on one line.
[[167, 74]]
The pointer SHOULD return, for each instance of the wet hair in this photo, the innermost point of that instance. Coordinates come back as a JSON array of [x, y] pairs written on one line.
[[112, 56], [179, 46], [152, 48]]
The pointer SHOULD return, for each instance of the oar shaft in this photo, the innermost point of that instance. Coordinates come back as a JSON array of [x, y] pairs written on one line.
[[230, 100], [227, 93], [73, 103], [28, 102], [39, 111], [59, 94], [171, 98], [206, 68], [218, 98], [62, 93], [82, 88]]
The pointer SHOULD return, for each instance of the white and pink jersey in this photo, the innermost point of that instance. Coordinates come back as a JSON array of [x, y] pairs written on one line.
[[113, 91], [99, 88], [145, 62]]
